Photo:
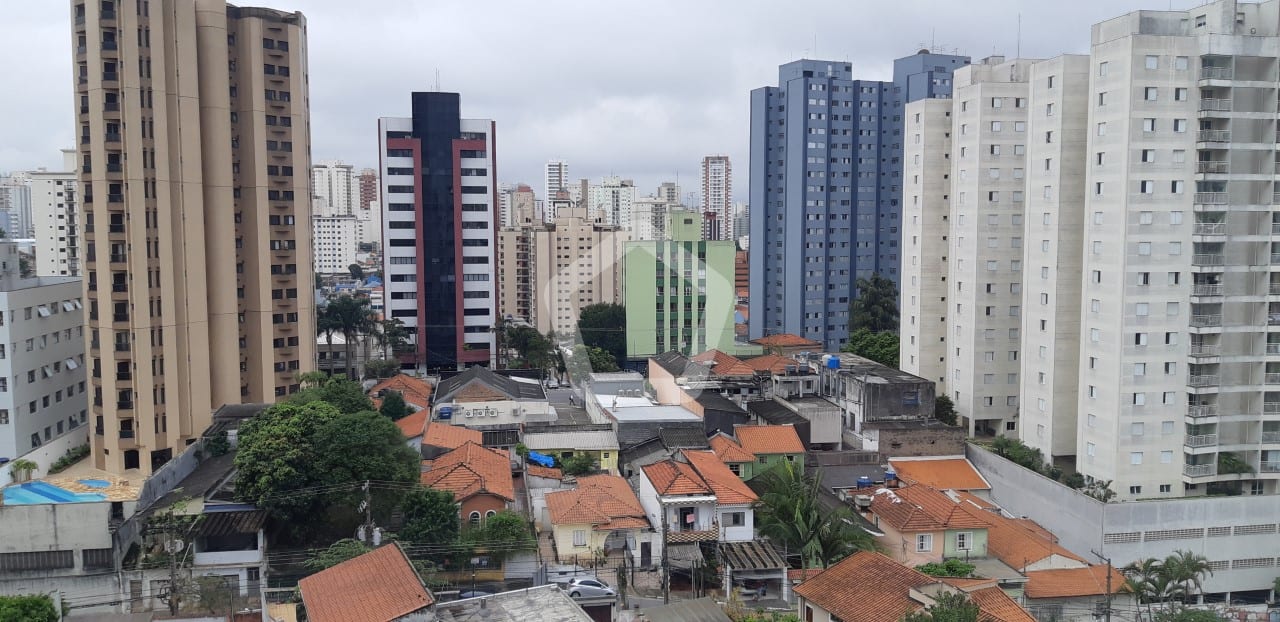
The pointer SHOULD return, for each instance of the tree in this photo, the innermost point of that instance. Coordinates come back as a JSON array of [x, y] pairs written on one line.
[[948, 568], [338, 552], [345, 395], [596, 359], [31, 608], [1187, 570], [535, 349], [391, 336], [357, 272], [393, 406], [352, 316], [1229, 463], [1181, 614], [604, 326], [788, 510], [378, 369], [430, 517], [1100, 490], [944, 410], [879, 347], [216, 593], [875, 308], [501, 535], [22, 468], [578, 464], [947, 607]]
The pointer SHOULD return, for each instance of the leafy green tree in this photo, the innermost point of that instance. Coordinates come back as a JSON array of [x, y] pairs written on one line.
[[393, 406], [357, 272], [944, 410], [947, 607], [879, 347], [32, 608], [378, 369], [598, 360], [391, 336], [875, 308], [352, 316], [1181, 614], [578, 464], [430, 517], [501, 535], [947, 568], [534, 349], [1187, 570], [1230, 463], [338, 552], [345, 395], [604, 326], [789, 511], [216, 594]]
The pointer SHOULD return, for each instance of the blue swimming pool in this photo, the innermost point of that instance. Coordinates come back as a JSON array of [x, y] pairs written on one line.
[[32, 493], [94, 483]]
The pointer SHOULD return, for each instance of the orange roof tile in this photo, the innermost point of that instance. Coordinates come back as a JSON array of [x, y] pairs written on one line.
[[675, 478], [785, 340], [1070, 582], [921, 508], [729, 489], [413, 424], [803, 574], [940, 473], [865, 587], [605, 501], [722, 364], [770, 363], [540, 471], [448, 436], [415, 391], [379, 586], [470, 470], [996, 606], [728, 450], [769, 439], [1016, 543]]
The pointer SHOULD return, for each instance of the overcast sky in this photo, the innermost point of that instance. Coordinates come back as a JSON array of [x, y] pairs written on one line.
[[637, 89]]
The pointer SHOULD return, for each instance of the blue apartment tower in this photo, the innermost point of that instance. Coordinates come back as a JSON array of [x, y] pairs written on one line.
[[826, 188]]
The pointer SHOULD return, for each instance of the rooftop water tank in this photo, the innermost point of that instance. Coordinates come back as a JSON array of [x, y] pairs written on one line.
[[864, 482], [833, 362]]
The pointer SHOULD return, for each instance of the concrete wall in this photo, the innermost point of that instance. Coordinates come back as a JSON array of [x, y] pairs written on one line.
[[1234, 533], [942, 441], [49, 453], [743, 533]]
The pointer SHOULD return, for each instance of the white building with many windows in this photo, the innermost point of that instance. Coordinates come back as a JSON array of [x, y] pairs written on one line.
[[55, 218], [337, 242]]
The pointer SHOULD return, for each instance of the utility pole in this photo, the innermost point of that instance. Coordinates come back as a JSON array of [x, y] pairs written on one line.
[[367, 537], [1107, 613], [666, 566]]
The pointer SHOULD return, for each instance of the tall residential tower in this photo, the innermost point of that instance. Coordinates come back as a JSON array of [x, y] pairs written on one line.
[[717, 198]]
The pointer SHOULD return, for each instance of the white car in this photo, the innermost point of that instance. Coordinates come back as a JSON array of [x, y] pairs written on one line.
[[590, 588], [552, 384]]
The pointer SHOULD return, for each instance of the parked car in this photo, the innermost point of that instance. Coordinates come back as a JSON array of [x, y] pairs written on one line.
[[590, 588], [552, 384]]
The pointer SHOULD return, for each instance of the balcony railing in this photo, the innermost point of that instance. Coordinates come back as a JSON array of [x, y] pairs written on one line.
[[1210, 228], [1204, 380], [124, 404], [119, 287], [1211, 166], [1206, 320], [124, 375], [1273, 319], [1219, 105], [1200, 440], [1271, 437], [1206, 289], [1205, 349], [1271, 408], [1269, 466], [1271, 378], [1207, 259], [1273, 348], [1275, 228], [126, 433], [120, 317], [1198, 411], [1214, 136], [1211, 198], [1199, 470], [1215, 73]]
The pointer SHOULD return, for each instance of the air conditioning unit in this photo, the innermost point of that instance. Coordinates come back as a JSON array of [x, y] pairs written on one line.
[[466, 413], [493, 412]]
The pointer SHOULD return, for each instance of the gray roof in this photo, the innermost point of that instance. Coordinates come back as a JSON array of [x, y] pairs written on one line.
[[872, 372], [774, 413], [634, 433], [672, 361], [544, 603], [751, 555], [700, 610], [683, 438], [909, 424], [512, 388], [582, 441], [716, 401]]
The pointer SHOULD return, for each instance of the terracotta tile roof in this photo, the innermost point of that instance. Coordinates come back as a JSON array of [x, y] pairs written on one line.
[[540, 471], [729, 488], [415, 391], [412, 426], [449, 436], [728, 450], [675, 478], [379, 586], [770, 363], [865, 587], [1016, 543], [940, 473], [470, 470], [968, 584], [785, 340], [996, 606], [920, 508], [769, 439], [605, 501], [1071, 582], [722, 364], [803, 574]]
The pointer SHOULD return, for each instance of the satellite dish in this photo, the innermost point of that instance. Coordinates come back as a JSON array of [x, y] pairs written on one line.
[[175, 545]]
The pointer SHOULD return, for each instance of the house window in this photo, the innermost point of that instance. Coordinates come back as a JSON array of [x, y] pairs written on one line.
[[490, 514], [761, 459], [579, 537], [474, 519], [736, 469], [737, 519], [924, 542], [964, 540]]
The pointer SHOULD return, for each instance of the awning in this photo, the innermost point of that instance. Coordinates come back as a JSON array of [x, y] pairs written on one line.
[[751, 555], [43, 311], [685, 555]]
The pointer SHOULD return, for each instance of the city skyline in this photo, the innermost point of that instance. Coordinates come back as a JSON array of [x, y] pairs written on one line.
[[633, 92]]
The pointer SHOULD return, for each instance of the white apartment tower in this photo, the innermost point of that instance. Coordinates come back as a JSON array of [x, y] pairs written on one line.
[[335, 189], [611, 202], [55, 218], [556, 179], [717, 198], [984, 297]]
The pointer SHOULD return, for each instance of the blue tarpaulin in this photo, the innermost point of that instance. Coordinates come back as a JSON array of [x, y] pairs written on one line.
[[541, 460]]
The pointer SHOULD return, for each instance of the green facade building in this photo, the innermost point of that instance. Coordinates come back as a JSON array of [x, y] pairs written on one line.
[[679, 292]]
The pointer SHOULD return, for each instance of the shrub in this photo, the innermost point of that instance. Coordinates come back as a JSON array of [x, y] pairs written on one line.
[[73, 455]]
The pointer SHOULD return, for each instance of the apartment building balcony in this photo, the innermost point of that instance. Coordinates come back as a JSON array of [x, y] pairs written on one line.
[[1199, 470], [1271, 378], [1209, 228], [1271, 408], [1206, 289], [1216, 73], [1208, 259], [1273, 319], [1275, 228], [1271, 437], [694, 535], [1200, 440], [1211, 166], [1269, 466], [1208, 380], [1205, 349], [1200, 321], [1210, 104], [1273, 348], [1201, 411], [1213, 136]]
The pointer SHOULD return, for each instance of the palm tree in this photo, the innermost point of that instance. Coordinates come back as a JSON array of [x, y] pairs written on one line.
[[390, 336], [876, 306], [1186, 570], [352, 317], [788, 511]]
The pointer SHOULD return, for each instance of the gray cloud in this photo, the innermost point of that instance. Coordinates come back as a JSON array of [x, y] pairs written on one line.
[[638, 89]]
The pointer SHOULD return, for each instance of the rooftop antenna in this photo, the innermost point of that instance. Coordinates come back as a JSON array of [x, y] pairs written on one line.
[[437, 79], [933, 40], [1018, 48]]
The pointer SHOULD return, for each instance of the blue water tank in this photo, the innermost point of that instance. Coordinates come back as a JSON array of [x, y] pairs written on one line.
[[833, 362], [890, 477], [864, 482], [446, 412]]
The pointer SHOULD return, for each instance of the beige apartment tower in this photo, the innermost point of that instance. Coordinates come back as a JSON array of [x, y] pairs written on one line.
[[194, 154]]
